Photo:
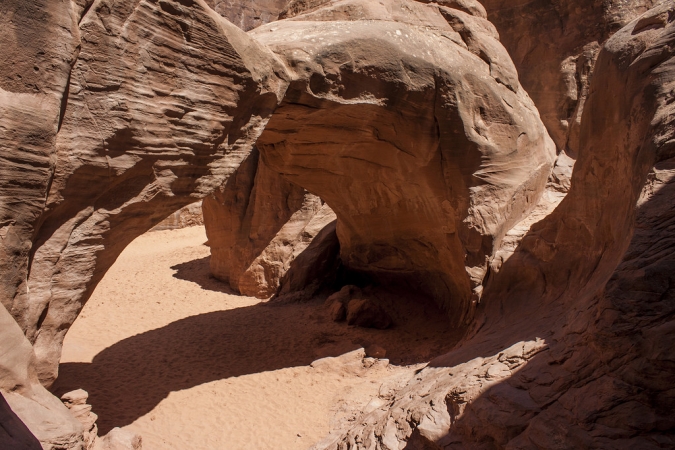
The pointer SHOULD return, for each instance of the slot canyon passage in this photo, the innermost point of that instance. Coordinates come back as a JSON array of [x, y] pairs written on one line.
[[431, 224]]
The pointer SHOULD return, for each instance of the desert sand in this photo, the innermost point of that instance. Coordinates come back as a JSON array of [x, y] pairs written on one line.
[[170, 353]]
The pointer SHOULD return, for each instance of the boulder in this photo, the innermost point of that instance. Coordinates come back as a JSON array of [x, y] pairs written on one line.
[[365, 313], [32, 418], [445, 151], [120, 439], [338, 311], [344, 295], [76, 402]]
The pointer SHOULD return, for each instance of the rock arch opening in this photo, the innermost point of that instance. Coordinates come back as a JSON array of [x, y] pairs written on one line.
[[115, 114], [159, 333]]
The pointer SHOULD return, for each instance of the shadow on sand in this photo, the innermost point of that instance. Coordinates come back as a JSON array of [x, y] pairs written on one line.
[[198, 271], [128, 379]]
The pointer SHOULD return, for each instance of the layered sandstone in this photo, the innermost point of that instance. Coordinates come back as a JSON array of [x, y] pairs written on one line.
[[32, 418], [163, 102], [409, 121], [188, 216], [554, 44], [40, 42], [249, 14], [257, 224], [587, 296]]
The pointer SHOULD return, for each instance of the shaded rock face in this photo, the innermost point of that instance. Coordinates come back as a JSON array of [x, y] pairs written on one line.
[[249, 14], [408, 119], [586, 357], [414, 129], [41, 43], [35, 418], [188, 216], [318, 265], [554, 44], [350, 304], [163, 102], [257, 224]]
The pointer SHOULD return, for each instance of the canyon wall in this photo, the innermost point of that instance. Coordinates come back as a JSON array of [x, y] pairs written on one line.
[[408, 120], [574, 345], [188, 216], [554, 45], [153, 105], [257, 224]]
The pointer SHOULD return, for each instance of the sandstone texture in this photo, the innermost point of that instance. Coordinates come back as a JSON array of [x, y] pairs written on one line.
[[156, 104], [318, 266], [585, 360], [188, 216], [76, 402], [554, 45], [409, 121], [392, 140], [119, 439], [249, 14], [257, 224], [32, 418]]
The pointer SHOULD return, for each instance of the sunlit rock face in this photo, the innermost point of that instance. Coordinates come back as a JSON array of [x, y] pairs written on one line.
[[574, 342], [409, 121], [32, 418], [163, 101]]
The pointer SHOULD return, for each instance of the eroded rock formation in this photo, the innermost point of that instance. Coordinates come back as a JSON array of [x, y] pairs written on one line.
[[408, 120], [249, 14], [163, 101], [48, 423], [554, 44], [583, 361], [188, 216], [257, 224]]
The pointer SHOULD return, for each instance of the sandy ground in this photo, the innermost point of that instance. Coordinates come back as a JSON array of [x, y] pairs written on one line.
[[172, 354]]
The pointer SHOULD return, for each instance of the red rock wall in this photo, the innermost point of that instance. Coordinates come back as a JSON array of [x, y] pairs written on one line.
[[163, 101], [188, 216], [554, 44], [257, 224], [427, 150], [574, 343], [415, 129], [249, 14]]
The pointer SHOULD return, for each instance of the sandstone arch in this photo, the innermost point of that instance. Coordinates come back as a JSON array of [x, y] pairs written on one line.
[[411, 110], [408, 120], [581, 363], [137, 131]]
